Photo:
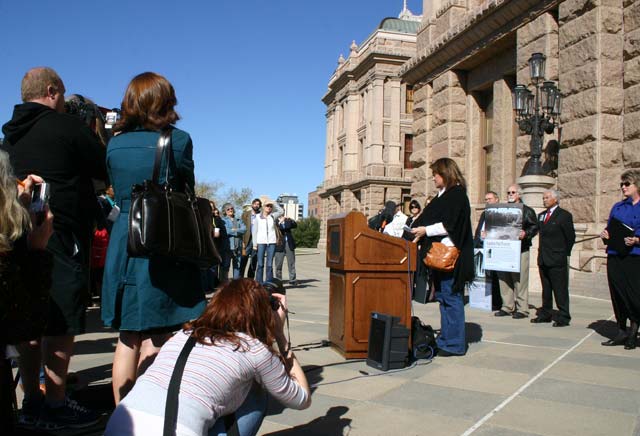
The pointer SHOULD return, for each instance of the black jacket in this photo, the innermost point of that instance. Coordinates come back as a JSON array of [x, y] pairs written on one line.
[[285, 228], [453, 210], [557, 237], [478, 242], [66, 154], [529, 225]]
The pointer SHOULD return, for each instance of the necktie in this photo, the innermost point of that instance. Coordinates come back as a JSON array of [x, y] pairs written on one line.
[[546, 218]]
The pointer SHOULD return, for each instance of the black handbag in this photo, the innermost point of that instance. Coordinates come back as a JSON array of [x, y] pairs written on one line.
[[167, 222], [423, 339]]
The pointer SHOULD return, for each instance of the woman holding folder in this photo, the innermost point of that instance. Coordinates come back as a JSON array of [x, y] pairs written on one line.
[[622, 237]]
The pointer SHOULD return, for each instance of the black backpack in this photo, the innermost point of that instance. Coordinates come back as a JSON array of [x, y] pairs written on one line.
[[423, 339]]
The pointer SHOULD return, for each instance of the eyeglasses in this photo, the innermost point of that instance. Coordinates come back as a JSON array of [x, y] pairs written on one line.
[[627, 184]]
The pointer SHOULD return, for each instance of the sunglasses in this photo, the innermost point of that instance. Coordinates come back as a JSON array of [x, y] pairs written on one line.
[[512, 192], [627, 184], [268, 205]]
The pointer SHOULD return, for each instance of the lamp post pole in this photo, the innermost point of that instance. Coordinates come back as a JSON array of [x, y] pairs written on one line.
[[537, 112]]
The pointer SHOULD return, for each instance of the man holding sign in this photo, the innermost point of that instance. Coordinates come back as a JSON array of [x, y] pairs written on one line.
[[514, 285]]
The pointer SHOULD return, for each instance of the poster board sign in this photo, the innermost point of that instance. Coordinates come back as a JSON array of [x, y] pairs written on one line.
[[480, 293], [503, 224]]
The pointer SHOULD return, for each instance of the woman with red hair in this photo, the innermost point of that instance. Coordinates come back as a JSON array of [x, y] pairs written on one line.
[[146, 300], [232, 360]]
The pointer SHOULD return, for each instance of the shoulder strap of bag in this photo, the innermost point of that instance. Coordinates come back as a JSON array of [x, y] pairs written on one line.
[[164, 143], [171, 407]]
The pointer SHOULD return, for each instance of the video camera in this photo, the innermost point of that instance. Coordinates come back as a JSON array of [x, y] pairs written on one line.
[[274, 286], [88, 111]]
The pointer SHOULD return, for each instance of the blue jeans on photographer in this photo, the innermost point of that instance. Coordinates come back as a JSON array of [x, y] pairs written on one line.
[[249, 415], [268, 250]]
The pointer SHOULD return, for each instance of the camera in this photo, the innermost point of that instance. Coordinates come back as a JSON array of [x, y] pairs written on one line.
[[111, 118], [274, 286], [39, 201]]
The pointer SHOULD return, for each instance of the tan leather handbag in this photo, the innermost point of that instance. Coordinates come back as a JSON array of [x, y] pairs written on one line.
[[441, 257]]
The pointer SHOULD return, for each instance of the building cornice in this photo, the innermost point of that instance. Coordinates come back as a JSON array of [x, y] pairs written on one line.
[[359, 184], [481, 28], [369, 54]]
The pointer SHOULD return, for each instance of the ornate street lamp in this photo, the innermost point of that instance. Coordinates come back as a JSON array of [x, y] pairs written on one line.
[[537, 112]]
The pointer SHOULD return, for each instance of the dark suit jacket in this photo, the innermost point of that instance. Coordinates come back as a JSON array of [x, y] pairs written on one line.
[[477, 239], [556, 238]]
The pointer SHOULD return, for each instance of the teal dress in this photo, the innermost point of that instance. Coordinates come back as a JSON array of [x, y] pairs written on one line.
[[141, 294]]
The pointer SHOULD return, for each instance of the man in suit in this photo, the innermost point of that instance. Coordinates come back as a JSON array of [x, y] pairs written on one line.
[[557, 236], [490, 197]]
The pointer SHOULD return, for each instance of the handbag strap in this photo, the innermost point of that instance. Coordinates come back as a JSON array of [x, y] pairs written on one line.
[[164, 143], [171, 406]]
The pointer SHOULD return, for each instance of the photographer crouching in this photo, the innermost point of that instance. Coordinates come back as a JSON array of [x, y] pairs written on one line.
[[229, 362], [25, 275]]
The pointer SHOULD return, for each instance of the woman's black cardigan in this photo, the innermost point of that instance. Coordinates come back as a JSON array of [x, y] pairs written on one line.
[[453, 210]]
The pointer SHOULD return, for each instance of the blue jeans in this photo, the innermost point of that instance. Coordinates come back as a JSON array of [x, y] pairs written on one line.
[[249, 415], [236, 260], [270, 250], [452, 330]]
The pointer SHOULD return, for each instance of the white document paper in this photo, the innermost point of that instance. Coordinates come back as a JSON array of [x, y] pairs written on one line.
[[502, 255], [480, 294]]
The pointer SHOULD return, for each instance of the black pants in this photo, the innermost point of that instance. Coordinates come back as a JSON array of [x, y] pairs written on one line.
[[623, 274], [7, 393], [555, 280]]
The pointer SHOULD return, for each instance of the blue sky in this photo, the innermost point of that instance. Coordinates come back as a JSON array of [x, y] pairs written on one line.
[[248, 75]]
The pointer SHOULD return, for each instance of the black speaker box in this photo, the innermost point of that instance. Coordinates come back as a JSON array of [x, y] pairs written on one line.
[[388, 342]]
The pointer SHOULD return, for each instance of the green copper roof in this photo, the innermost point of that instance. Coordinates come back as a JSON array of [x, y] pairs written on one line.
[[398, 25]]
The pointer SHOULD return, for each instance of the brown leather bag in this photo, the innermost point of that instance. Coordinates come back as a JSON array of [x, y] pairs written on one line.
[[441, 257]]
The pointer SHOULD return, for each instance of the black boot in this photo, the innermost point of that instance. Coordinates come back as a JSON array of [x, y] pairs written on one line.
[[630, 343], [620, 339]]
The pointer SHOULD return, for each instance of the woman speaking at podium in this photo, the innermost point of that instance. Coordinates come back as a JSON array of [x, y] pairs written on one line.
[[447, 219]]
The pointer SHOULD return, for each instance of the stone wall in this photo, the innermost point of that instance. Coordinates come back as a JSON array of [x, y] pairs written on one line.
[[590, 45], [631, 84]]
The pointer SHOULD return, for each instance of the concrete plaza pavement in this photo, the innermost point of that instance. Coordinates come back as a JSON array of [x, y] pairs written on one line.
[[517, 378]]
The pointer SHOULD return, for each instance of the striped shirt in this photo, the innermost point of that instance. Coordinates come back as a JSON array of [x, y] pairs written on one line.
[[215, 382]]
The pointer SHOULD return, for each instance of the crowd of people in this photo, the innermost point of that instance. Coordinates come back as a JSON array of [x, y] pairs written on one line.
[[446, 219], [47, 259]]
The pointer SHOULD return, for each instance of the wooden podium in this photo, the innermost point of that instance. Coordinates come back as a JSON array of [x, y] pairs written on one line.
[[369, 272]]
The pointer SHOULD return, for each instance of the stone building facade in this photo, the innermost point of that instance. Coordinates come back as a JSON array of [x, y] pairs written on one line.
[[369, 123], [471, 54]]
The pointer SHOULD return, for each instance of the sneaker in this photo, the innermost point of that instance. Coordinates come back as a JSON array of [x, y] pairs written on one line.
[[70, 415], [30, 412]]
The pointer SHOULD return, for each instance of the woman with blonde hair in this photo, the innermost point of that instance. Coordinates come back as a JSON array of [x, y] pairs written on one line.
[[25, 276], [145, 299], [447, 219]]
